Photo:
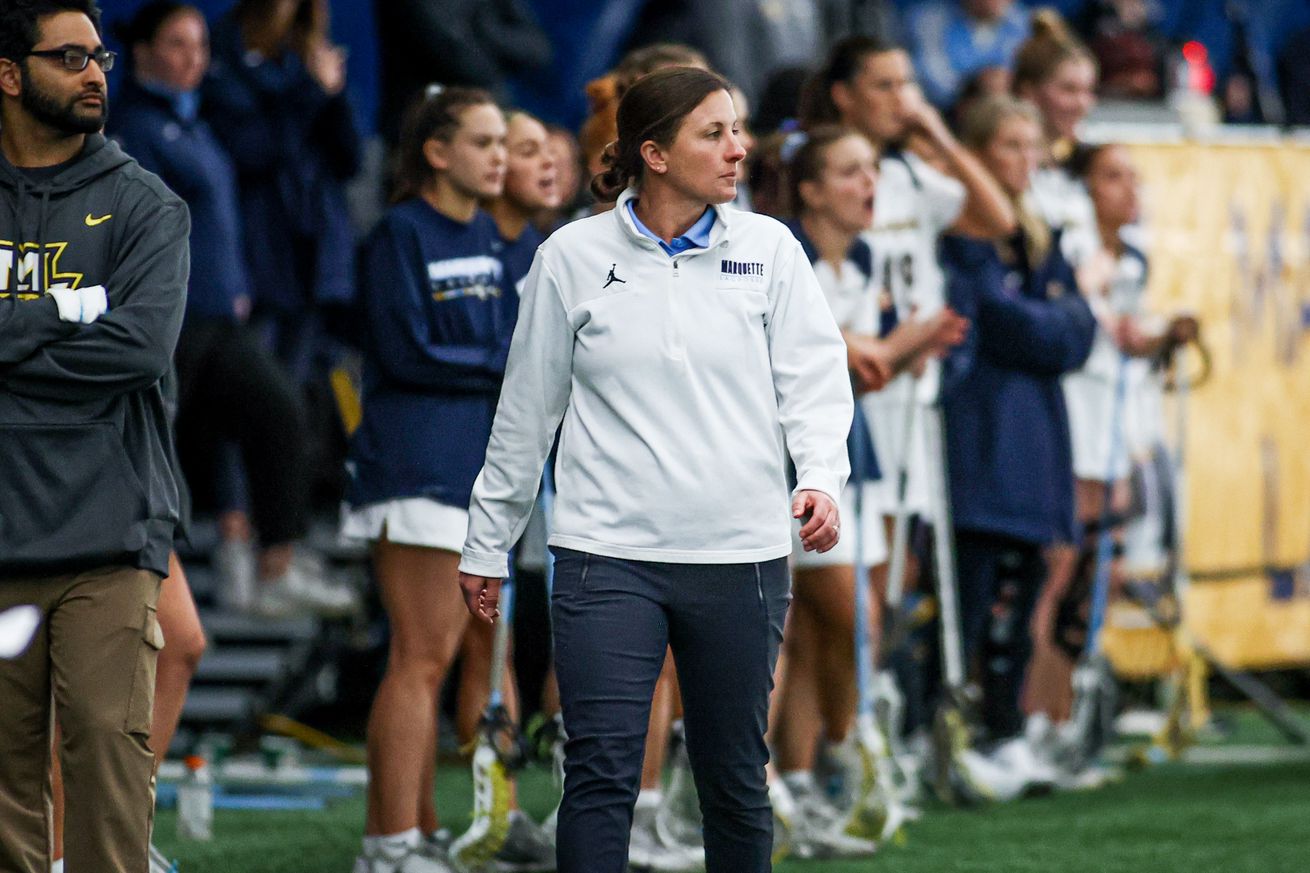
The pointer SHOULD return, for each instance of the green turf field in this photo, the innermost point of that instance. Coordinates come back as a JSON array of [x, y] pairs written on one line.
[[1175, 818]]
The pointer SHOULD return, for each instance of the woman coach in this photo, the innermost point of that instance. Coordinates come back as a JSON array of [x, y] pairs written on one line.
[[683, 344]]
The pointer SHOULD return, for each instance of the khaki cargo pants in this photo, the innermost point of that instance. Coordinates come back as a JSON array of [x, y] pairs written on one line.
[[93, 657]]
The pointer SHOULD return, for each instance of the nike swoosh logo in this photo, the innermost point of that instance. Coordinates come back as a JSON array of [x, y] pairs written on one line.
[[92, 222]]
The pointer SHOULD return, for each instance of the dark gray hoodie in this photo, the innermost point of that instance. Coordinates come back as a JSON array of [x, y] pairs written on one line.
[[85, 478]]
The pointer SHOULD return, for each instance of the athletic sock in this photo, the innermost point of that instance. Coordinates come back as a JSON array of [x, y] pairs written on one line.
[[57, 866], [395, 845], [782, 801], [649, 798], [800, 782]]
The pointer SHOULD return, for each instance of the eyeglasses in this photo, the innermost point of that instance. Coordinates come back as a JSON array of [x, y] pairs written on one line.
[[75, 59]]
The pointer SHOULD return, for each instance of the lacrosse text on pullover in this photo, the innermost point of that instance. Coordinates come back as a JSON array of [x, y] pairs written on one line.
[[683, 384]]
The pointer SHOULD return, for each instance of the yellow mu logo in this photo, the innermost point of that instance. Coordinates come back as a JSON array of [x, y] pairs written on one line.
[[28, 270]]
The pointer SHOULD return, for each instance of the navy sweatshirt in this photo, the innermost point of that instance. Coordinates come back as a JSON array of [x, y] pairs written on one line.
[[438, 315], [294, 148], [517, 254], [864, 467], [86, 473], [185, 154], [1007, 432]]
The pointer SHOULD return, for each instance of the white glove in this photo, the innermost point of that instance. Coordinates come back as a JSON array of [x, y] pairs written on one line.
[[82, 305]]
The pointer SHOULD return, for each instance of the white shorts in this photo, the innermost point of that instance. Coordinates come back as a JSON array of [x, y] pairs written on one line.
[[410, 521], [1090, 402], [887, 421], [842, 554]]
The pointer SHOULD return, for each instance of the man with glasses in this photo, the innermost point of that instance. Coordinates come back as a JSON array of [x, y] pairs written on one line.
[[93, 274]]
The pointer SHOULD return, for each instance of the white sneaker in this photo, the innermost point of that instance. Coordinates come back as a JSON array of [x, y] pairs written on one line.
[[436, 845], [234, 563], [981, 778], [818, 830], [875, 810], [1017, 756], [678, 818], [527, 848], [411, 861], [304, 588], [648, 850]]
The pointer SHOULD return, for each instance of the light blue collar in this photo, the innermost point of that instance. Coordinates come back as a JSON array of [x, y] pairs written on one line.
[[186, 104], [696, 237]]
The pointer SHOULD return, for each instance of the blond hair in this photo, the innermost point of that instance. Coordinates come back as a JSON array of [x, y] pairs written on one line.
[[979, 127]]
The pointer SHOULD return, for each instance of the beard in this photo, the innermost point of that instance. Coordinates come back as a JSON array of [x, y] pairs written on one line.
[[65, 115]]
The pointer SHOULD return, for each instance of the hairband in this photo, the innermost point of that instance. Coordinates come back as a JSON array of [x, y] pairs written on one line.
[[792, 144]]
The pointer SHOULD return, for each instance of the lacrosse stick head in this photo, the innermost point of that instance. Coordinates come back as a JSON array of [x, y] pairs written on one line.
[[477, 846]]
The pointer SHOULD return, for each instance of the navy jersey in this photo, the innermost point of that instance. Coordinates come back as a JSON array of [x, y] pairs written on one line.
[[1007, 431], [438, 316], [517, 254]]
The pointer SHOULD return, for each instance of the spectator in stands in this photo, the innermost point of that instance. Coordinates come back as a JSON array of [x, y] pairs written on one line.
[[747, 40], [1128, 46], [1294, 74], [1007, 434], [230, 387], [952, 40], [276, 100], [470, 42]]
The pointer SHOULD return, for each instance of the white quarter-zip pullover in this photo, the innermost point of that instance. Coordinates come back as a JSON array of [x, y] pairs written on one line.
[[683, 383]]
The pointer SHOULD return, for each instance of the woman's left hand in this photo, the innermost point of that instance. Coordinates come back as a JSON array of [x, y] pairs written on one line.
[[823, 527]]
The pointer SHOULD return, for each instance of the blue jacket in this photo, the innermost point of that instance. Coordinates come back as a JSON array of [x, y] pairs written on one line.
[[294, 147], [863, 456], [183, 153], [438, 316], [1007, 433]]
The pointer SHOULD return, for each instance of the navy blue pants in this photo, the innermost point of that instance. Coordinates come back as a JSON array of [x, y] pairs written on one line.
[[613, 620], [1000, 579]]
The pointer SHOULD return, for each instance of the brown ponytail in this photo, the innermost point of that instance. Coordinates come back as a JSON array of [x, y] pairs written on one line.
[[652, 109], [1050, 44]]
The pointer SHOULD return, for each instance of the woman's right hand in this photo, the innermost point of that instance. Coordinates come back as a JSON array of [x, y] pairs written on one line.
[[481, 596]]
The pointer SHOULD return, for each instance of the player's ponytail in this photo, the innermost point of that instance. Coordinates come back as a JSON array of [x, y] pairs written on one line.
[[1049, 45]]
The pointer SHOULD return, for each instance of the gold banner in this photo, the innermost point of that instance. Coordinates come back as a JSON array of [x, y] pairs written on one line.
[[1228, 229]]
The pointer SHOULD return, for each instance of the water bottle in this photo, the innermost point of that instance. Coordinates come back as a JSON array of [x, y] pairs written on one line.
[[195, 801]]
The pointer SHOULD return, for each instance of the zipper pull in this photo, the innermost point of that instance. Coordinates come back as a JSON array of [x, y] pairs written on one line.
[[675, 268]]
